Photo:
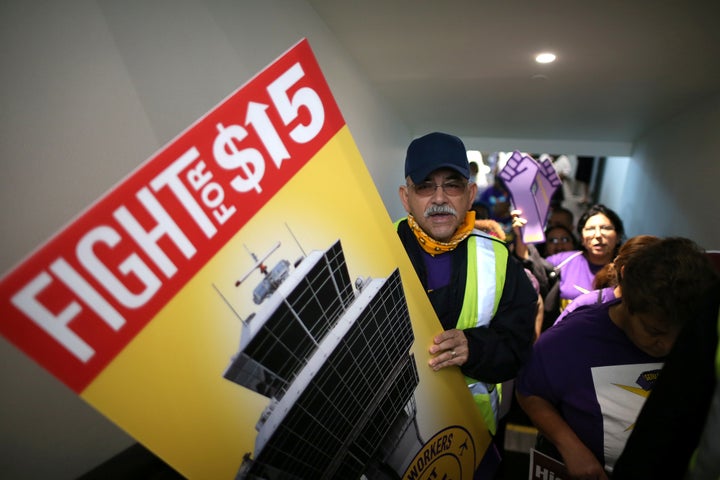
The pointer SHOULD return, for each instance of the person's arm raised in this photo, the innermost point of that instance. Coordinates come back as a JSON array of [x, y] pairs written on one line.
[[521, 249]]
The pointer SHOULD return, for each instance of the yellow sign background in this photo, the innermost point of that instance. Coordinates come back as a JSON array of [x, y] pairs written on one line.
[[166, 388]]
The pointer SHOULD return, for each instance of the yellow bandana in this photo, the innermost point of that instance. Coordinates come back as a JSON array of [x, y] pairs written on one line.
[[432, 246]]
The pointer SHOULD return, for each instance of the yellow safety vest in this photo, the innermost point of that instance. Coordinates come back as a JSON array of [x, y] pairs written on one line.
[[486, 271], [487, 267]]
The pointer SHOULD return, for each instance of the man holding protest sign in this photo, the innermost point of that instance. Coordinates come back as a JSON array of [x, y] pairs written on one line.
[[480, 293]]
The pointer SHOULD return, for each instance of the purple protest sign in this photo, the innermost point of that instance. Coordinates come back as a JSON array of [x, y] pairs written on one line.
[[531, 185]]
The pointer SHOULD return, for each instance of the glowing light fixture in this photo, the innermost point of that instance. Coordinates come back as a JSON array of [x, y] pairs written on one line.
[[475, 156], [545, 57]]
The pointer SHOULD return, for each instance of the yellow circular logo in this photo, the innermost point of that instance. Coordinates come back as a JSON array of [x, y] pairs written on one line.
[[449, 455]]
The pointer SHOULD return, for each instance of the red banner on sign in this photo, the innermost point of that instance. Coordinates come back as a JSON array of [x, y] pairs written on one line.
[[81, 298]]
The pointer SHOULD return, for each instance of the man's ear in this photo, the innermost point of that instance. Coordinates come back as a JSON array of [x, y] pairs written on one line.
[[403, 193]]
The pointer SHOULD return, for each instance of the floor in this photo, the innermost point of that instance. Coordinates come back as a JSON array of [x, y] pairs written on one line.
[[519, 440], [139, 463], [135, 462]]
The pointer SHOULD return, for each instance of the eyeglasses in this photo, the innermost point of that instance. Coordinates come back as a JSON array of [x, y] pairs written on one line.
[[605, 230], [452, 189], [559, 240]]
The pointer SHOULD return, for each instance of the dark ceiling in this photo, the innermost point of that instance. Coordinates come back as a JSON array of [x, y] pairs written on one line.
[[467, 67]]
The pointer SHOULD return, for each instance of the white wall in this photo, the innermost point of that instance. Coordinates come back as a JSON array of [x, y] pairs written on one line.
[[670, 186], [91, 89]]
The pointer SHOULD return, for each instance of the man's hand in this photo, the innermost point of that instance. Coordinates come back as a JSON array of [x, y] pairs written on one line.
[[450, 348]]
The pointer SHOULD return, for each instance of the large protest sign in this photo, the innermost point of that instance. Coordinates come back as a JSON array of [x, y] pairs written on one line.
[[241, 305]]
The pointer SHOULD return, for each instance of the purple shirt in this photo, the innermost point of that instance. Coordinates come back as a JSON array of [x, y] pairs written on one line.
[[589, 370], [439, 269], [590, 298], [576, 275]]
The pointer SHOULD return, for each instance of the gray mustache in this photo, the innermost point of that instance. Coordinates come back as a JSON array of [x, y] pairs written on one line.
[[440, 209]]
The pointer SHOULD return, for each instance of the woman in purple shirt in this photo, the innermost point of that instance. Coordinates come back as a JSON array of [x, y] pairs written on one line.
[[601, 232], [588, 377], [609, 287]]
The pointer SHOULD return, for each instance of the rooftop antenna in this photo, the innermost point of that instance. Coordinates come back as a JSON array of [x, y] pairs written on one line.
[[296, 240], [258, 263], [229, 304]]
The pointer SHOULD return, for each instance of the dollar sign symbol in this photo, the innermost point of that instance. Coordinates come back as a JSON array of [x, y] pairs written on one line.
[[249, 160]]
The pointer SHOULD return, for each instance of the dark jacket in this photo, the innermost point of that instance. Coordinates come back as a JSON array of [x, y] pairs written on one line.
[[498, 351]]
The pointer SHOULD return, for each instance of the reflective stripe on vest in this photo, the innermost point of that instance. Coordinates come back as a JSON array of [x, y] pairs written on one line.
[[487, 262], [484, 284]]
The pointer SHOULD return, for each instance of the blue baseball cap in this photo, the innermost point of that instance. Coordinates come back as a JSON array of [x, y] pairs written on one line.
[[432, 151]]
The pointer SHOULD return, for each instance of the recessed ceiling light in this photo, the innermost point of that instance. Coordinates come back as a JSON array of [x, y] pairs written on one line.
[[545, 57]]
